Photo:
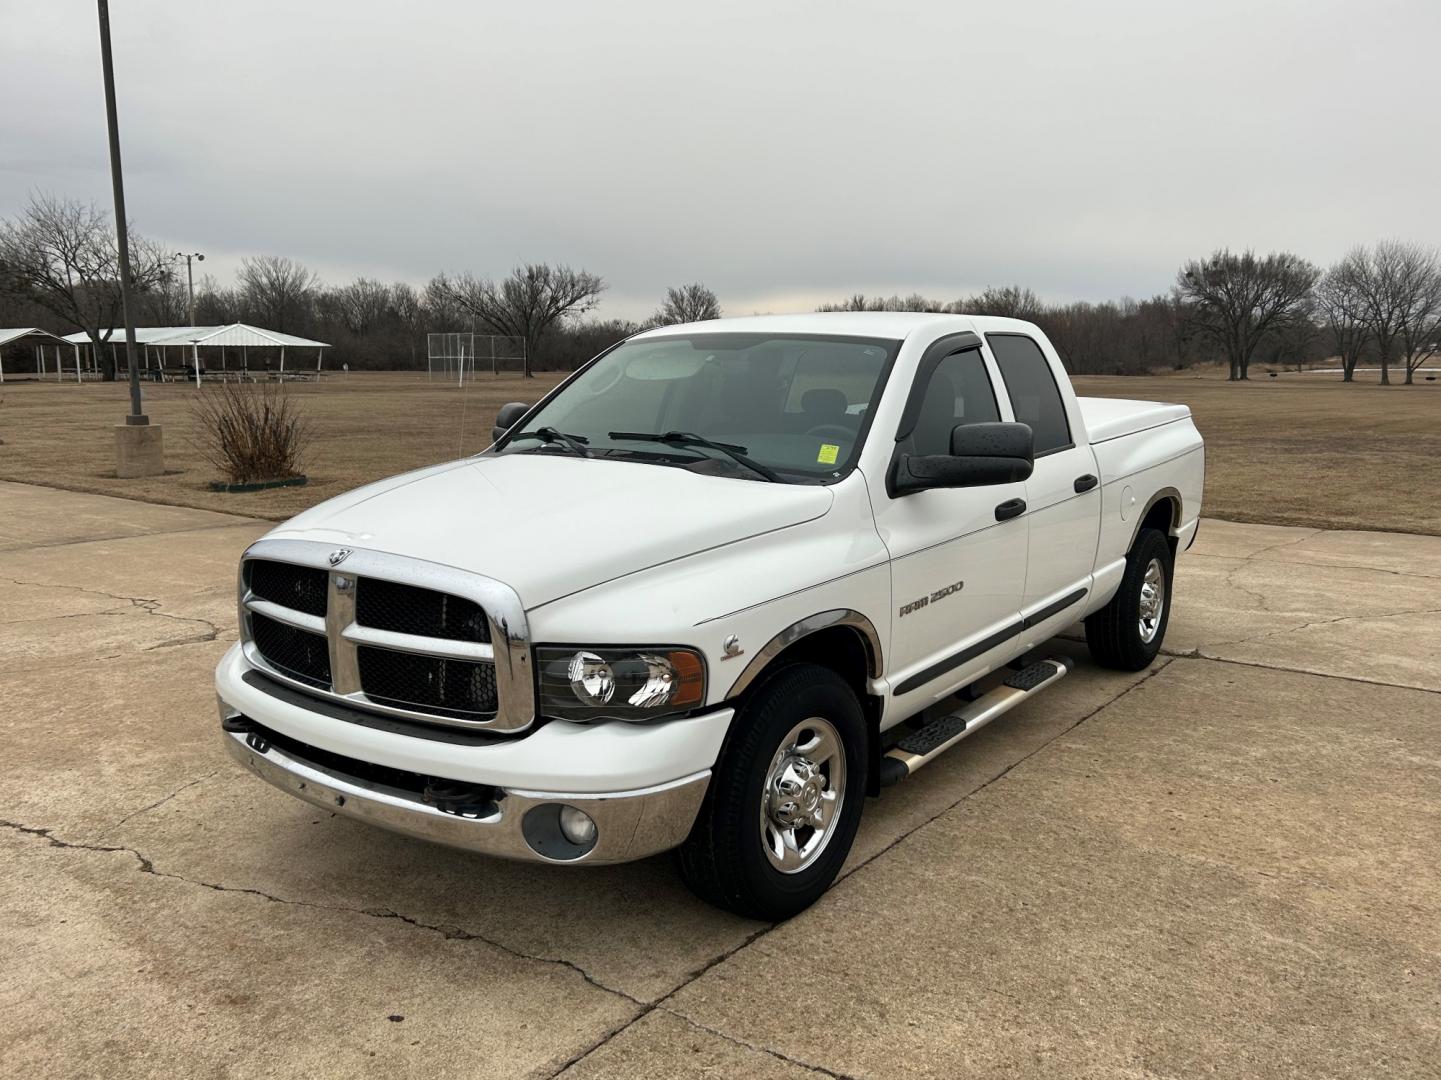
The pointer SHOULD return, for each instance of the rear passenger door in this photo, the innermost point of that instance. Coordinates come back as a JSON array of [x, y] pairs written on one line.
[[1063, 495]]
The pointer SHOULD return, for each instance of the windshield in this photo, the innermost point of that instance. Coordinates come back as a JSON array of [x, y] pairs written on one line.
[[796, 405]]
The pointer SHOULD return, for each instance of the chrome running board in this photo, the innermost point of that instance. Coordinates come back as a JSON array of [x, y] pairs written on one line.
[[928, 743]]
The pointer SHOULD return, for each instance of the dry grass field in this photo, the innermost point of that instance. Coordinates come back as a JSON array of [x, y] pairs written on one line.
[[1309, 449], [1295, 450]]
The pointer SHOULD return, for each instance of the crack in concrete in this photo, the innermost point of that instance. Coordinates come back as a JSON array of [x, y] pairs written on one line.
[[161, 801], [148, 605], [450, 933], [1318, 565], [1254, 638], [737, 1041], [1230, 581], [247, 522], [1197, 654]]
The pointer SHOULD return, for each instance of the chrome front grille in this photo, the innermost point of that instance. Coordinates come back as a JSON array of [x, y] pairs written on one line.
[[298, 653], [391, 634], [409, 609]]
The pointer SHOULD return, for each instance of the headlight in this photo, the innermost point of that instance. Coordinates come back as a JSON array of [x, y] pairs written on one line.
[[621, 684]]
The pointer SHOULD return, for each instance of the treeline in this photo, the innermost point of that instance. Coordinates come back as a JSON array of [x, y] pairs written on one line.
[[1117, 337], [1379, 304], [59, 270]]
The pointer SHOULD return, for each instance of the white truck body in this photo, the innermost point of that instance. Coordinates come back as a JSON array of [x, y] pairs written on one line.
[[927, 591]]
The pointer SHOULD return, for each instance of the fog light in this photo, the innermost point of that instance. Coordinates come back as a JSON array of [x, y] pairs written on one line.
[[576, 826]]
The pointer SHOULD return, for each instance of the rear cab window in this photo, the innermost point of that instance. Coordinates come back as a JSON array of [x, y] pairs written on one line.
[[1031, 386]]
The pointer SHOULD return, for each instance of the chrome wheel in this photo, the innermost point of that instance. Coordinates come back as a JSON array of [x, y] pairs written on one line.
[[801, 802], [1153, 600]]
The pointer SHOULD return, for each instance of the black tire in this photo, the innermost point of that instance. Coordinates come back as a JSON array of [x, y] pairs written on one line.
[[1114, 633], [723, 860]]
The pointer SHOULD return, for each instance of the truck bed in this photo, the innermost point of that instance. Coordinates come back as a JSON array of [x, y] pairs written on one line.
[[1114, 418]]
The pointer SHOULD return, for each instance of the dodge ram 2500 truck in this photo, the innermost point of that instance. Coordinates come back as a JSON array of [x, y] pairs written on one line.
[[717, 587]]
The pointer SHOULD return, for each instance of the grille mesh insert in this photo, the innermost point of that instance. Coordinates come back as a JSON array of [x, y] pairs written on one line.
[[298, 653], [409, 609], [459, 688], [300, 588]]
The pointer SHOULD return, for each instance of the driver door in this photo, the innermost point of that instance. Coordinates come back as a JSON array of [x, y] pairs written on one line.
[[958, 571]]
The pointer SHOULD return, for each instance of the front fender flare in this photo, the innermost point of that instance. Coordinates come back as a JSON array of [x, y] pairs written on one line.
[[804, 628]]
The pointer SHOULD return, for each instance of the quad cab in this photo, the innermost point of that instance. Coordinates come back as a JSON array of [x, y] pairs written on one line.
[[722, 584]]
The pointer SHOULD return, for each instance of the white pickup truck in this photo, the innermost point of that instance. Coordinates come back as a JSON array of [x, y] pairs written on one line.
[[720, 585]]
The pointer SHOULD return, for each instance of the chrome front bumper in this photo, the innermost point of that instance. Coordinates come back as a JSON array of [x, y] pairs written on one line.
[[629, 824]]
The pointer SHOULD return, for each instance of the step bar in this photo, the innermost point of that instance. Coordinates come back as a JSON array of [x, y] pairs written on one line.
[[924, 745]]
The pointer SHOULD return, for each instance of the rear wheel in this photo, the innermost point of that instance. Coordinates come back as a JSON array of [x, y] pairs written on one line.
[[1127, 633], [785, 800]]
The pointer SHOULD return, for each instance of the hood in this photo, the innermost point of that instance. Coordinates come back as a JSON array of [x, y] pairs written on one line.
[[551, 525]]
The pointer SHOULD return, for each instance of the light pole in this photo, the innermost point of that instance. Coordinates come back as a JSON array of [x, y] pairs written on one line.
[[190, 283], [137, 445], [190, 277]]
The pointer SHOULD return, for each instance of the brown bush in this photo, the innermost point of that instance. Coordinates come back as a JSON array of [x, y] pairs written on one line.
[[250, 433]]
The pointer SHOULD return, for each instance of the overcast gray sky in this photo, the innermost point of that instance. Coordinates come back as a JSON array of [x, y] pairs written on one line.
[[784, 153]]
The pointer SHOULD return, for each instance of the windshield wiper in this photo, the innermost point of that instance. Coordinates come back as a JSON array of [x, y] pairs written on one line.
[[687, 439], [576, 444]]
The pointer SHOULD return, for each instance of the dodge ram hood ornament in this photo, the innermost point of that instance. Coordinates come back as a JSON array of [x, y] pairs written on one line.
[[339, 555]]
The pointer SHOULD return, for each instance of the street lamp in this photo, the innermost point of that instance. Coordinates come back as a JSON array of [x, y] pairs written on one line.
[[190, 282], [190, 277], [138, 447]]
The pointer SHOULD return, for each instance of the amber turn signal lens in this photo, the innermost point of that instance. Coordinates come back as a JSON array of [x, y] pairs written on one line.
[[690, 679]]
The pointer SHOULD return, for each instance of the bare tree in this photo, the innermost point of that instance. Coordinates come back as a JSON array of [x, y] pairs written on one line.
[[688, 304], [443, 311], [1235, 299], [1421, 327], [529, 302], [862, 302], [1009, 301], [277, 292], [1292, 339], [216, 305], [410, 313], [1339, 305], [1395, 283], [60, 255], [364, 306], [167, 303]]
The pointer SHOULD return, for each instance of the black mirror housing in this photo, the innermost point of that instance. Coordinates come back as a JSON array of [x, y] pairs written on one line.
[[981, 455], [997, 440], [507, 418]]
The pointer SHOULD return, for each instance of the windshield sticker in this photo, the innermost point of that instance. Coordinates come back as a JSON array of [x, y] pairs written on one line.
[[828, 453]]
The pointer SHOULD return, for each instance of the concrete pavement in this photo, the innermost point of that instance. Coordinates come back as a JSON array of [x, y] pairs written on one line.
[[1227, 863]]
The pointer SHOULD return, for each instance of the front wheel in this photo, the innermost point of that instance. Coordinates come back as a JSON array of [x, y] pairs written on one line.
[[785, 799], [1127, 633]]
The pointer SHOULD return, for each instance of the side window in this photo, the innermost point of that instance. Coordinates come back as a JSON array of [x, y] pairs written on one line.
[[1035, 398], [959, 392]]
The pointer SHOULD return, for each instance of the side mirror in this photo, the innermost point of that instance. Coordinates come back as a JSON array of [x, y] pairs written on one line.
[[507, 418], [981, 454]]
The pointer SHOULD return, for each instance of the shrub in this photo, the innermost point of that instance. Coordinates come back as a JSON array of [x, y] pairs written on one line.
[[250, 433]]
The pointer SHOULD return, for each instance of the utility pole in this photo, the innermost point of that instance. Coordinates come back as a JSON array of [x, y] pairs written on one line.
[[190, 283], [138, 446], [190, 277]]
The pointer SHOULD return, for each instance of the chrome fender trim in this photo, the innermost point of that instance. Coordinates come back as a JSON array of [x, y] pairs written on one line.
[[804, 628]]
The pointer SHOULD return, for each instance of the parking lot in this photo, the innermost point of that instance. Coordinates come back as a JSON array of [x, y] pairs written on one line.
[[1228, 863]]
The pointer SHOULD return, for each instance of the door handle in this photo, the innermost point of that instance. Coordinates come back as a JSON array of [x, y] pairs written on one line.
[[1085, 483], [1010, 508]]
